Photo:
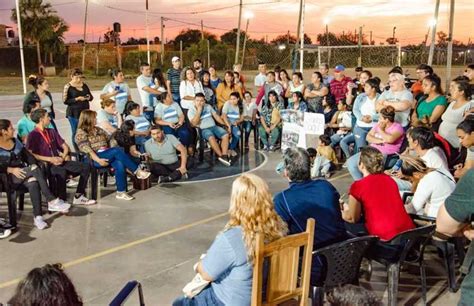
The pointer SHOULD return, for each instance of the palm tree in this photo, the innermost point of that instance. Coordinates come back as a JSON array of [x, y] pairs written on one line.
[[55, 43], [38, 22]]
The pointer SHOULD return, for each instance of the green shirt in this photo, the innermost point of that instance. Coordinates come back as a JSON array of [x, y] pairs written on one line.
[[165, 152], [25, 126], [425, 109]]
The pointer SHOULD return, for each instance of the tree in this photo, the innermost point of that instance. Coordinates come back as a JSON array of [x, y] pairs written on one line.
[[442, 39], [156, 40], [39, 22], [230, 37], [284, 39], [55, 43], [391, 40], [111, 37], [193, 36]]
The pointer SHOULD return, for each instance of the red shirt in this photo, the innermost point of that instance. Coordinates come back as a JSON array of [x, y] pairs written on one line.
[[339, 88], [385, 215]]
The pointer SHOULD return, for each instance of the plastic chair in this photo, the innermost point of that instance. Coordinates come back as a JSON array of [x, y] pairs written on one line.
[[342, 264], [12, 196], [125, 293], [406, 242]]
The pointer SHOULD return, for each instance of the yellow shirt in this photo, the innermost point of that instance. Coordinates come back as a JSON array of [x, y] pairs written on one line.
[[328, 152], [223, 93]]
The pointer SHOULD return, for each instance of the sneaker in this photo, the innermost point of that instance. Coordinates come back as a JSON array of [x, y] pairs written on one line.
[[71, 183], [124, 196], [345, 165], [271, 148], [164, 179], [233, 153], [39, 223], [327, 175], [224, 160], [82, 200], [141, 174], [58, 205], [4, 233], [185, 176], [265, 148], [111, 180]]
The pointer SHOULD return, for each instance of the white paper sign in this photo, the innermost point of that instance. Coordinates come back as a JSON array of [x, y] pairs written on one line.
[[313, 123]]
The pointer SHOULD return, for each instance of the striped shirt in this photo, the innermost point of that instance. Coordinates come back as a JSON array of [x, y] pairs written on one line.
[[174, 76], [168, 113], [232, 112], [141, 123]]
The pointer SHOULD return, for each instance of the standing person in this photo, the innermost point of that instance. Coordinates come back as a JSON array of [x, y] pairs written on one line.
[[422, 71], [455, 219], [314, 93], [95, 143], [228, 263], [284, 80], [174, 79], [296, 85], [145, 86], [432, 105], [241, 78], [189, 87], [209, 91], [306, 198], [197, 65], [202, 115], [358, 70], [238, 82], [269, 128], [261, 77], [398, 97], [47, 146], [117, 90], [25, 125], [225, 88], [141, 129], [340, 84], [76, 95], [18, 163], [232, 116], [164, 162], [270, 85], [108, 117], [40, 93], [324, 70], [250, 116], [215, 79]]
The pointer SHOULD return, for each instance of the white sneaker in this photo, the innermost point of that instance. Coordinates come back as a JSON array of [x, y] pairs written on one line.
[[58, 205], [71, 183], [4, 233], [124, 196], [82, 200], [142, 174], [39, 223]]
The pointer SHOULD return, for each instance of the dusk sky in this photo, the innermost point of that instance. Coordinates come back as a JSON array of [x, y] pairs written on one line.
[[271, 17]]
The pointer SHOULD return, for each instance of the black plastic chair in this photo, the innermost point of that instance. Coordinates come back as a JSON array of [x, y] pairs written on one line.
[[342, 264], [12, 196], [125, 293], [405, 243]]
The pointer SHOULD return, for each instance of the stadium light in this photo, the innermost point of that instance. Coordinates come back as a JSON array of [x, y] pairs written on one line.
[[248, 15], [432, 22]]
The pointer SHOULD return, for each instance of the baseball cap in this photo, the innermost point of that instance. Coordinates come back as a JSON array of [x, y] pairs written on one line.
[[339, 68], [175, 58]]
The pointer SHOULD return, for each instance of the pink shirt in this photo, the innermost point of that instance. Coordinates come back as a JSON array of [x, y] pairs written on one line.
[[389, 148]]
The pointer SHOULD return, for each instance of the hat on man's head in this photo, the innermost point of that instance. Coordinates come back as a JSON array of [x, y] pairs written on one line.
[[339, 68], [175, 59]]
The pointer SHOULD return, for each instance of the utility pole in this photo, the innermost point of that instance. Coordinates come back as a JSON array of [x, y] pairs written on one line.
[[298, 34], [393, 35], [370, 42], [360, 47], [162, 40], [433, 34], [237, 44], [202, 30], [245, 41], [84, 38], [147, 30], [20, 40], [467, 51], [450, 44], [302, 39]]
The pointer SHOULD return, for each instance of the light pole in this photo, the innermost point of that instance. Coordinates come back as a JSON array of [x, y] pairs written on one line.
[[433, 34], [326, 23], [247, 15], [147, 34], [84, 38], [20, 40], [393, 35], [237, 44]]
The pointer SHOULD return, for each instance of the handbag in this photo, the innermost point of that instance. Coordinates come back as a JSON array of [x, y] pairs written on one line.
[[197, 284]]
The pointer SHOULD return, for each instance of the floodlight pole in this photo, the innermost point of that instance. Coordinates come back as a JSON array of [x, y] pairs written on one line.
[[84, 38], [237, 44], [302, 38], [147, 34], [433, 34], [20, 40], [450, 44]]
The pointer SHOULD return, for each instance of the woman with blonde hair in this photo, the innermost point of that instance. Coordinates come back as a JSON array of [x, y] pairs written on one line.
[[228, 264]]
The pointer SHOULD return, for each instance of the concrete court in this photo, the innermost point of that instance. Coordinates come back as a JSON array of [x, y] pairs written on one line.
[[155, 239]]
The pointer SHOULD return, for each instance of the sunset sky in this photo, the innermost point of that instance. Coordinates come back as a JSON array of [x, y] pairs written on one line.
[[271, 17]]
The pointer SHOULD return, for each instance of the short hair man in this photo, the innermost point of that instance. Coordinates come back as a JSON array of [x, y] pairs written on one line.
[[202, 115], [422, 71], [339, 84], [165, 164], [306, 198], [324, 70], [174, 79], [47, 146], [197, 65], [261, 77], [25, 125], [144, 85]]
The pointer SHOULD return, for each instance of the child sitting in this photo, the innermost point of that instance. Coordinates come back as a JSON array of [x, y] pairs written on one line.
[[325, 160]]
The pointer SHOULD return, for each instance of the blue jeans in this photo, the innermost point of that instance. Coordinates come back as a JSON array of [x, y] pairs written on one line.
[[206, 297], [360, 136], [321, 166], [344, 141], [140, 142], [247, 126], [176, 98], [182, 133], [215, 131], [268, 139], [120, 162], [235, 130], [74, 122]]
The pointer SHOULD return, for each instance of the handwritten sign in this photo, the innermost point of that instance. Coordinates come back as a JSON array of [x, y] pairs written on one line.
[[313, 124]]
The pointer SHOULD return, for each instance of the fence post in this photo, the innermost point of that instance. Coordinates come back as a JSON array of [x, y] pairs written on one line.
[[399, 55], [208, 54], [319, 57], [181, 52]]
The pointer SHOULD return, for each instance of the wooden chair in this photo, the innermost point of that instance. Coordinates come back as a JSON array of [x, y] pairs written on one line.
[[286, 279]]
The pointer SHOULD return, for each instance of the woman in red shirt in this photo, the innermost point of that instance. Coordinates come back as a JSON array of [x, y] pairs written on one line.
[[376, 194]]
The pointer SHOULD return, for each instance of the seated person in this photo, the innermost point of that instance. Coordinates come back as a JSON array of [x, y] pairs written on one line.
[[232, 116], [108, 117], [329, 109], [25, 125], [270, 122], [340, 126], [142, 125], [21, 166], [250, 116], [228, 263], [386, 136], [306, 198], [430, 186], [297, 102], [325, 160], [203, 116], [47, 146], [94, 141], [171, 118], [432, 104], [125, 138], [48, 285], [376, 194], [165, 164], [465, 131]]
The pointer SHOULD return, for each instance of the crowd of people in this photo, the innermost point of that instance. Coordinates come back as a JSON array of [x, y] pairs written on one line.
[[393, 138]]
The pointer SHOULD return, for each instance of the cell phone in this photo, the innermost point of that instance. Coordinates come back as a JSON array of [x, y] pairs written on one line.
[[117, 88]]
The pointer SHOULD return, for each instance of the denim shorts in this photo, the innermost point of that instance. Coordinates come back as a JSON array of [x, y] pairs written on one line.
[[215, 131]]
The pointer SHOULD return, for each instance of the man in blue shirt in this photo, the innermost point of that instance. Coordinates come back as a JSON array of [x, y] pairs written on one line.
[[306, 198]]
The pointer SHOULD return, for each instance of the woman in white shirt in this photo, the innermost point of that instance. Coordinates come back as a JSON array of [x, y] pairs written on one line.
[[295, 85], [188, 89], [431, 186]]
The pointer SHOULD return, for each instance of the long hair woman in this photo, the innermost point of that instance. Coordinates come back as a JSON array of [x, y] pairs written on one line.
[[40, 93], [225, 88], [228, 264]]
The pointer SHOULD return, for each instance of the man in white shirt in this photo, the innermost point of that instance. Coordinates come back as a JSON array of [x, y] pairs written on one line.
[[261, 76], [144, 85]]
